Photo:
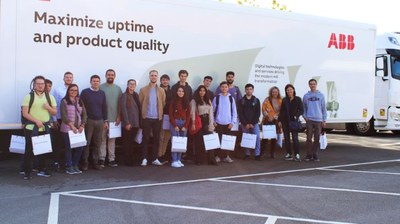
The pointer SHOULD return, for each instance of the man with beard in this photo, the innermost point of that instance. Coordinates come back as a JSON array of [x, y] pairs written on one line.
[[152, 99], [113, 94], [183, 75], [233, 90]]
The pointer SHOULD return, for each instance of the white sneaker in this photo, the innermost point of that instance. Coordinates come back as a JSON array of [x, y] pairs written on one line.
[[228, 159], [157, 163], [175, 164], [144, 162], [180, 163], [217, 159]]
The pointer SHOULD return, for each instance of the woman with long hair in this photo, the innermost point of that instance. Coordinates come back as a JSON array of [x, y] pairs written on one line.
[[73, 115], [291, 110], [179, 117], [130, 111], [202, 105], [270, 110]]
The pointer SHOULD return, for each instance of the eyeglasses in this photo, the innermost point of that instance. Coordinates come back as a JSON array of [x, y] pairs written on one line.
[[73, 90]]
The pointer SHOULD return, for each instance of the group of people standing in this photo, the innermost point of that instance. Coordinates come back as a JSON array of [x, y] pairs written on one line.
[[96, 108]]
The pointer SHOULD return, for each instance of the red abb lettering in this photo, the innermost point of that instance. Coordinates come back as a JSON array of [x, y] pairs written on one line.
[[345, 41]]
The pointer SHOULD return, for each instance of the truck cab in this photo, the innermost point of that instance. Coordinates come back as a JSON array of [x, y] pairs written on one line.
[[386, 114]]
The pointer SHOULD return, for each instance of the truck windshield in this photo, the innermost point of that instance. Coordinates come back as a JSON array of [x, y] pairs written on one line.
[[395, 67]]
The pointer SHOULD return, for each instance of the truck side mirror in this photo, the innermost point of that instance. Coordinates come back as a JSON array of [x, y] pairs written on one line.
[[380, 68]]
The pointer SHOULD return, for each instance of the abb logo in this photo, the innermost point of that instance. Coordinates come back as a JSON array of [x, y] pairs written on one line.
[[344, 42]]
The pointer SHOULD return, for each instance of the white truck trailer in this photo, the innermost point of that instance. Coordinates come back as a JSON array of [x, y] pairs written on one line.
[[264, 47]]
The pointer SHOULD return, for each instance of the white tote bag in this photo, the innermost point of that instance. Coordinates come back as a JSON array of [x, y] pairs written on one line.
[[139, 136], [248, 140], [179, 144], [279, 140], [41, 144], [114, 131], [323, 141], [228, 142], [166, 125], [17, 144], [269, 131], [77, 140], [211, 141]]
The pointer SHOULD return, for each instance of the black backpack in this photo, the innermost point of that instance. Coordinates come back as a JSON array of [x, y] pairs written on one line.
[[25, 121]]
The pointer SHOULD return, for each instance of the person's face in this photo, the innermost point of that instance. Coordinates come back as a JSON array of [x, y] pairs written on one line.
[[202, 92], [95, 83], [40, 85], [207, 83], [275, 93], [290, 92], [313, 85], [68, 79], [249, 91], [48, 87], [132, 85], [183, 77], [153, 77], [230, 79], [165, 82], [110, 76], [224, 88], [73, 92], [180, 93]]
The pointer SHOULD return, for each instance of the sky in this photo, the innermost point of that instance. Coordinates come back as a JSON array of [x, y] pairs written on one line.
[[382, 13]]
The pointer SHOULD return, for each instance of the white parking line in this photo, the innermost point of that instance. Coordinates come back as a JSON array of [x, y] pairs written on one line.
[[359, 171], [53, 208], [271, 220], [206, 209], [310, 187]]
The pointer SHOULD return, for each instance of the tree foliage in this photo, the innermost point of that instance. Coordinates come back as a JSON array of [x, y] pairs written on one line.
[[256, 3]]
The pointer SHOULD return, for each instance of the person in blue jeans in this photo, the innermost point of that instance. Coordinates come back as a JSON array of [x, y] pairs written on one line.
[[179, 116], [73, 116], [249, 111]]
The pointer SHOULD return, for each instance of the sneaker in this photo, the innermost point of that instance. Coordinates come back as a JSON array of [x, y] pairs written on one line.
[[27, 176], [175, 164], [228, 159], [56, 167], [157, 162], [315, 158], [22, 172], [44, 173], [308, 158], [144, 162], [77, 170], [101, 163], [217, 159], [70, 170], [288, 157], [297, 158], [180, 163], [112, 164]]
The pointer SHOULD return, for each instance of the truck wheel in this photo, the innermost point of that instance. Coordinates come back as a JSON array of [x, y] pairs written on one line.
[[364, 128]]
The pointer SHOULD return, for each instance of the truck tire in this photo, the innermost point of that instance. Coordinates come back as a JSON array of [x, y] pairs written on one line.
[[364, 128]]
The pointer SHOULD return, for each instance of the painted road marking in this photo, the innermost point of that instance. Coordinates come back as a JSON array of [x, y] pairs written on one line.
[[360, 171]]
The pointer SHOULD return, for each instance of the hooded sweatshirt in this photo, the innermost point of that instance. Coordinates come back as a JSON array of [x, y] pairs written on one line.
[[314, 106]]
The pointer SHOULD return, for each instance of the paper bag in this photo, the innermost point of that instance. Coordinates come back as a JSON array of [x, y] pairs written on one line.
[[77, 140], [248, 140], [269, 131], [323, 141], [179, 144], [228, 142], [41, 144], [139, 136], [279, 140], [211, 141], [17, 144], [114, 131]]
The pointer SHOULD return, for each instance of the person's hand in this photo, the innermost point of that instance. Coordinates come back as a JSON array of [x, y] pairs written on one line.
[[230, 126], [117, 121], [183, 129], [39, 124], [128, 127], [193, 127], [46, 106], [80, 129], [75, 130], [55, 125], [323, 124], [105, 126], [279, 124], [176, 128]]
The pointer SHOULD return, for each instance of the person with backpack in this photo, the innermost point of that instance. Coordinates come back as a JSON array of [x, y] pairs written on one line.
[[291, 110], [225, 115], [74, 117], [249, 111], [37, 109]]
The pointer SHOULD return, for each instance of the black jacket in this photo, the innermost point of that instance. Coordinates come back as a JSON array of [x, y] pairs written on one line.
[[296, 110], [249, 110]]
